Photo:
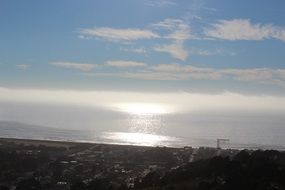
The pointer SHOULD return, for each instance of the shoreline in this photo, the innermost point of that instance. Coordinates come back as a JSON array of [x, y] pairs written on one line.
[[68, 144]]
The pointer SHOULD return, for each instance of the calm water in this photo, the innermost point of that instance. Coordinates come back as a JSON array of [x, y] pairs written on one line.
[[137, 127]]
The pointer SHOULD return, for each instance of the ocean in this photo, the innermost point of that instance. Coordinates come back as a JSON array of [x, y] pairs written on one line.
[[72, 123]]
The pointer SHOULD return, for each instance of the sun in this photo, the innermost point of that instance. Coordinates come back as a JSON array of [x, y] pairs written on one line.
[[143, 108]]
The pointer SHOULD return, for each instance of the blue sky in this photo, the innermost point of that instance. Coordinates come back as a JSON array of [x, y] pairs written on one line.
[[144, 45]]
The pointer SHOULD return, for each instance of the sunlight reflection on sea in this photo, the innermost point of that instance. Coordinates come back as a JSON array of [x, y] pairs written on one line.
[[144, 126], [139, 139]]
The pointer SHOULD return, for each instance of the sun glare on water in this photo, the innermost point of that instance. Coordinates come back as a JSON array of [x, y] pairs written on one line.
[[144, 122], [139, 138]]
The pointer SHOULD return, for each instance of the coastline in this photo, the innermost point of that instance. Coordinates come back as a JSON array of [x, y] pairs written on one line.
[[68, 144]]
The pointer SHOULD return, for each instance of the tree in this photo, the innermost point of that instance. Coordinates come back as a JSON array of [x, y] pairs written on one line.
[[28, 184]]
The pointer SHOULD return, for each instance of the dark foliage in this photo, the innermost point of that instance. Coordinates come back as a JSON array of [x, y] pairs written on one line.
[[28, 184], [261, 170], [78, 185]]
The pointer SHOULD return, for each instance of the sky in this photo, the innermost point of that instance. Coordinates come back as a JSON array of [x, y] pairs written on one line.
[[208, 66], [198, 46]]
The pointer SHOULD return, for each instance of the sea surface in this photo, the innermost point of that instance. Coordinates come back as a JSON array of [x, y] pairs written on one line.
[[242, 129]]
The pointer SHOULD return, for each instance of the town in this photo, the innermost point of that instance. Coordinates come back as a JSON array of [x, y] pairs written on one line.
[[38, 164]]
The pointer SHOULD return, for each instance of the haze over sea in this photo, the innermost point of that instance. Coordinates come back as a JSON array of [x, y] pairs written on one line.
[[114, 117]]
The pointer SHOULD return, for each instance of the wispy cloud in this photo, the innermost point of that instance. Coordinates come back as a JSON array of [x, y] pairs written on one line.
[[197, 10], [204, 52], [243, 29], [178, 31], [210, 52], [115, 34], [23, 66], [175, 49], [160, 3], [122, 63], [186, 72], [142, 75], [253, 74], [140, 50], [72, 65]]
